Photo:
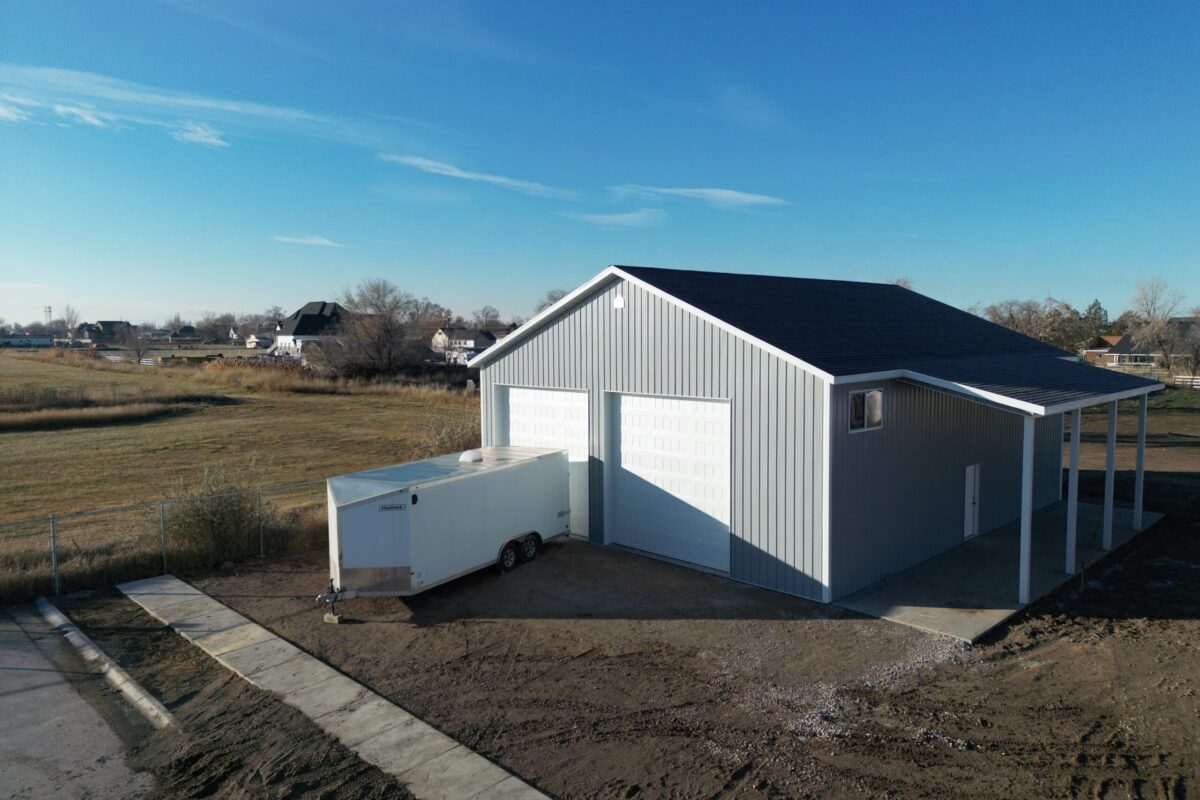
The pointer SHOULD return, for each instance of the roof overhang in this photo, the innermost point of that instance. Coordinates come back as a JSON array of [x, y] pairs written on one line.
[[995, 398]]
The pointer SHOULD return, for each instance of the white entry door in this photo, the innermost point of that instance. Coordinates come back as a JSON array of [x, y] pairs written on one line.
[[670, 478], [558, 419], [971, 503]]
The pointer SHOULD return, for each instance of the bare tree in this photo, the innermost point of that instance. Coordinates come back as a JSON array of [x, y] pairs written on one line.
[[902, 281], [70, 318], [1155, 303], [551, 297], [486, 318], [1022, 316], [135, 344], [1189, 345], [3, 326], [383, 330]]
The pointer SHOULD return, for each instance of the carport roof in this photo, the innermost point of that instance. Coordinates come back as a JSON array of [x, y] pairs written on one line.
[[850, 331]]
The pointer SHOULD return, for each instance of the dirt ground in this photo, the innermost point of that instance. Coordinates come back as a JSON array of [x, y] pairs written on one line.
[[235, 741], [596, 673]]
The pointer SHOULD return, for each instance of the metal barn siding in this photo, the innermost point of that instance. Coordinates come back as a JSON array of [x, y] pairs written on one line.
[[898, 491], [654, 347]]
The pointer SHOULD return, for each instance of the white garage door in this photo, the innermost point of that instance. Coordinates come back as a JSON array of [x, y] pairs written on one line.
[[559, 419], [671, 478]]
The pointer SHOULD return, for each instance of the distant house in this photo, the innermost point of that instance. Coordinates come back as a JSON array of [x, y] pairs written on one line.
[[233, 336], [460, 345], [104, 331], [312, 322], [1132, 353], [25, 340], [259, 341], [185, 335], [1098, 348]]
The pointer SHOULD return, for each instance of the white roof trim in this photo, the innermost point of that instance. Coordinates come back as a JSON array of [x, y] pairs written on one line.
[[1017, 405], [1020, 406], [616, 272]]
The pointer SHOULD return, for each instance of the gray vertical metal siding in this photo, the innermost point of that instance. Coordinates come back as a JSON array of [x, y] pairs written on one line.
[[655, 347], [898, 492]]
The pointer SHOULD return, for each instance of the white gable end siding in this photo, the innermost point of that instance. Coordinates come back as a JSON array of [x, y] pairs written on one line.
[[898, 492], [653, 347]]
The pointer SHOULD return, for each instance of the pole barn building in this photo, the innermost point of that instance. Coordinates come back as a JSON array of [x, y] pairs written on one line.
[[807, 436]]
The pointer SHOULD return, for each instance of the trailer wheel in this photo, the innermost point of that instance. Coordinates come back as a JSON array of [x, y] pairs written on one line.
[[529, 547], [508, 557]]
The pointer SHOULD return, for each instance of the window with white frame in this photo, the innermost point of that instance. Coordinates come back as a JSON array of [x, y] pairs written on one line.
[[866, 410]]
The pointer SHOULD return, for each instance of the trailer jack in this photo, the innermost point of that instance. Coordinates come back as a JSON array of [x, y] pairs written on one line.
[[330, 598]]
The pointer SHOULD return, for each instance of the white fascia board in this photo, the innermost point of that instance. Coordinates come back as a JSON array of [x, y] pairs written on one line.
[[1107, 398], [523, 332], [527, 329], [1019, 406]]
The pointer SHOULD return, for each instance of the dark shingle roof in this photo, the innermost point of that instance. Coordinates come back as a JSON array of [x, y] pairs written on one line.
[[841, 327], [311, 319], [849, 328]]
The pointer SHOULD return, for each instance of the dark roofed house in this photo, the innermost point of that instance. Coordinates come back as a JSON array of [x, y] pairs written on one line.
[[185, 334], [814, 437], [103, 331], [312, 322], [1131, 351]]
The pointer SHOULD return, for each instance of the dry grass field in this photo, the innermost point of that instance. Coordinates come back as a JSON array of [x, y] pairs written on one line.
[[273, 435], [80, 434]]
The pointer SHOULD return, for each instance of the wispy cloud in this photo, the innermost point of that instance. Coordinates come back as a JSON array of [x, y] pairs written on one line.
[[307, 239], [91, 98], [10, 113], [451, 171], [717, 198], [85, 116], [640, 218], [200, 133]]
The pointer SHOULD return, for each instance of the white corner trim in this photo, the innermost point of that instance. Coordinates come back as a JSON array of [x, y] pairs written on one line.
[[826, 494]]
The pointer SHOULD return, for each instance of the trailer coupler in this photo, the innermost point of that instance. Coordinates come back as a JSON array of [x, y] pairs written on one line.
[[330, 598]]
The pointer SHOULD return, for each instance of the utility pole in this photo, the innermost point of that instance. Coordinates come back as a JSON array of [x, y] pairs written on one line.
[[47, 310]]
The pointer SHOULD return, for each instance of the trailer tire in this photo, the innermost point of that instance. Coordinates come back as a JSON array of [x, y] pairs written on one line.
[[508, 557], [529, 547]]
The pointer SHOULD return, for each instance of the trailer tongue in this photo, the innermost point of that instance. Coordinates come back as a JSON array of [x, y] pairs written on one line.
[[399, 530]]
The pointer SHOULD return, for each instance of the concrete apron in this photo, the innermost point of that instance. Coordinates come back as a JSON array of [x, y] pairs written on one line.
[[969, 590], [429, 763]]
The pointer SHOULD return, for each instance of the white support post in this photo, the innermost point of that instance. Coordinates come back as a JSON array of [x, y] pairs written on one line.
[[1139, 480], [1026, 509], [1073, 494], [1110, 466]]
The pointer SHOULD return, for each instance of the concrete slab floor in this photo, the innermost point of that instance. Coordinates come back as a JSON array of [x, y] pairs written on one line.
[[969, 590]]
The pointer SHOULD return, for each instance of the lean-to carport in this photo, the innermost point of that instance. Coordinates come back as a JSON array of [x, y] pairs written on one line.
[[1032, 387]]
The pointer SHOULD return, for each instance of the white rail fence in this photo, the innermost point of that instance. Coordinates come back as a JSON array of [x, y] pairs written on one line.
[[1191, 381]]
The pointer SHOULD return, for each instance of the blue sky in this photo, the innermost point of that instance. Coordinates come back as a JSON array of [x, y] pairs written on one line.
[[189, 156]]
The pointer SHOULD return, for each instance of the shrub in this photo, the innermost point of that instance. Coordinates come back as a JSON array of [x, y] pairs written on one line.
[[214, 521]]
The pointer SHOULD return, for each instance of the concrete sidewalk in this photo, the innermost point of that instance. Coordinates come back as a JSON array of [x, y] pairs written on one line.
[[53, 743], [431, 764]]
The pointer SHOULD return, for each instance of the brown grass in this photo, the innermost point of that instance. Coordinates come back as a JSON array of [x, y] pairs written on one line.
[[55, 419], [271, 436]]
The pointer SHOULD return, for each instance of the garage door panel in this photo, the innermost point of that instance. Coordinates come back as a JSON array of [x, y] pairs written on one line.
[[671, 478], [557, 419]]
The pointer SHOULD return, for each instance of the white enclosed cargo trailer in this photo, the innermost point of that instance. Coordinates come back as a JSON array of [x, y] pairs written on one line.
[[402, 529]]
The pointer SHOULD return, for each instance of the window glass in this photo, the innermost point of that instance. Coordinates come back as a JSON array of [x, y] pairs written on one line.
[[874, 409], [857, 411]]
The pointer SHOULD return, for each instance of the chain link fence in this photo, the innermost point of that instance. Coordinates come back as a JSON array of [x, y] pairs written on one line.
[[63, 553]]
